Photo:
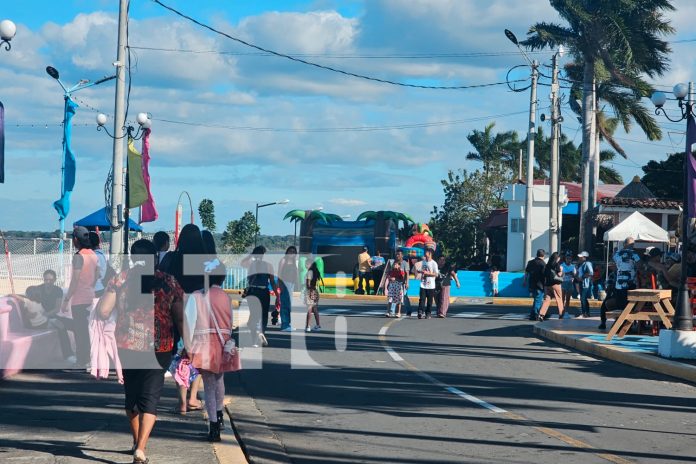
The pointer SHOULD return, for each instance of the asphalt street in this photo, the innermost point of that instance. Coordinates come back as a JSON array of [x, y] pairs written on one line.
[[475, 387]]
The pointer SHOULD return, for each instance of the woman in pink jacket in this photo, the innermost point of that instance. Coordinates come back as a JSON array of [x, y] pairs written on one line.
[[212, 349]]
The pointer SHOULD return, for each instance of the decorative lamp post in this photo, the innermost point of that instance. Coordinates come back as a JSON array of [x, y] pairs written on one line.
[[682, 92], [258, 206], [7, 33]]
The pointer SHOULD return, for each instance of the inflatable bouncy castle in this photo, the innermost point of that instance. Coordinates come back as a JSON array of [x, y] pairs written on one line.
[[420, 239]]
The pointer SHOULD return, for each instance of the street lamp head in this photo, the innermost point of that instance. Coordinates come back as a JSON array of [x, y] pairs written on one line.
[[680, 91], [53, 72], [141, 118], [284, 202], [147, 124], [7, 30], [658, 99], [511, 37], [101, 119]]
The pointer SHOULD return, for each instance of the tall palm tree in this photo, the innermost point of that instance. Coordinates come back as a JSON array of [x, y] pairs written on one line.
[[622, 36], [499, 148]]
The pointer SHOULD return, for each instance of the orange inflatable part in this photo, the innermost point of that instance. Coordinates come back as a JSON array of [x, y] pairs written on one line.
[[420, 239]]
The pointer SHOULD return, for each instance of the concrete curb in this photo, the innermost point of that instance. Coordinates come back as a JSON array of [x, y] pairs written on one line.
[[258, 442], [641, 360], [229, 450]]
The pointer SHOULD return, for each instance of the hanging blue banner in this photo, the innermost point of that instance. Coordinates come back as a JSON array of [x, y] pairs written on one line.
[[62, 206]]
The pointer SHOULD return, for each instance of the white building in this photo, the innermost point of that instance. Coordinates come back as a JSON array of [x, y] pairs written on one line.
[[515, 196]]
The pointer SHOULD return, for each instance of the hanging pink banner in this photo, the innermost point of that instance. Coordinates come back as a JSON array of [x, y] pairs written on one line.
[[148, 210]]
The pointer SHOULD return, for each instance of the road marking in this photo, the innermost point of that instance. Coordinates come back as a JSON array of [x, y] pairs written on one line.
[[494, 409], [513, 316], [468, 315]]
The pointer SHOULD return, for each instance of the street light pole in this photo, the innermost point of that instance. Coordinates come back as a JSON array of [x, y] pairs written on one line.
[[117, 187], [256, 220], [683, 317]]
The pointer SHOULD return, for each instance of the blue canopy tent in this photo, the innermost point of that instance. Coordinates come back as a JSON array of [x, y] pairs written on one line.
[[100, 219]]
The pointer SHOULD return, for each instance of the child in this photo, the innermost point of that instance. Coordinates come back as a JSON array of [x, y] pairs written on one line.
[[494, 280], [312, 296], [395, 290]]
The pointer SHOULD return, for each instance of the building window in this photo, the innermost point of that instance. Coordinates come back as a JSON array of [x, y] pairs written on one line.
[[516, 225]]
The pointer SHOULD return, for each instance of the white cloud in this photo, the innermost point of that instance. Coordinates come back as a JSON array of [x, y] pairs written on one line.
[[347, 202]]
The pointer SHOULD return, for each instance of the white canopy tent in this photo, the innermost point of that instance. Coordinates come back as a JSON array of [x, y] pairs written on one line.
[[637, 226]]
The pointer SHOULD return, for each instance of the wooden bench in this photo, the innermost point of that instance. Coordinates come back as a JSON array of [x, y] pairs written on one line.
[[644, 305]]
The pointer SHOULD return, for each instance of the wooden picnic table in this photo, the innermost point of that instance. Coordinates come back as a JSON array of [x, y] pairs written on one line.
[[644, 305]]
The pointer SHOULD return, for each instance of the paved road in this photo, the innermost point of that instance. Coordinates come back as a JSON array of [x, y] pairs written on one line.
[[476, 387]]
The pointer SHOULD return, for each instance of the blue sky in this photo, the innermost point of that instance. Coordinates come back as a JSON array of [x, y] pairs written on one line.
[[246, 136]]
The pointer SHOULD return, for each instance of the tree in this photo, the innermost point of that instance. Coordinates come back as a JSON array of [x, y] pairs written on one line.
[[660, 177], [494, 148], [570, 161], [206, 210], [469, 199], [621, 36], [239, 234]]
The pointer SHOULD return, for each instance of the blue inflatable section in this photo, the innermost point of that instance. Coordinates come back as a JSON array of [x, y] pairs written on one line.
[[478, 284]]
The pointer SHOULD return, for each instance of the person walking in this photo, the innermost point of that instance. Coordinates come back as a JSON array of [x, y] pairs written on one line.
[[395, 290], [288, 274], [80, 295], [569, 272], [626, 261], [144, 336], [162, 243], [189, 248], [553, 276], [213, 351], [406, 267], [534, 281], [260, 278], [364, 271], [448, 273], [312, 295], [429, 271], [584, 278]]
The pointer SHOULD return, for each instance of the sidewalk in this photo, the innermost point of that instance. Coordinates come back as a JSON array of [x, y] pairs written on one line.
[[634, 350], [70, 417]]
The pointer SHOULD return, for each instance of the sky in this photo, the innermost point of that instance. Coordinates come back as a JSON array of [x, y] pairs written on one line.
[[241, 128]]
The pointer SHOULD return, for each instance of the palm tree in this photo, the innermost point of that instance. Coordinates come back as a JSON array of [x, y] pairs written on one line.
[[383, 223], [493, 148], [570, 160], [307, 219], [621, 36]]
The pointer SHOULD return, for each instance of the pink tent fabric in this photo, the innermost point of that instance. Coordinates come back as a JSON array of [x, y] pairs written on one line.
[[148, 210]]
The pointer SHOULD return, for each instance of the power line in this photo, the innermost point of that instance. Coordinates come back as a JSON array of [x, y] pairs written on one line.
[[342, 55], [327, 68], [341, 129]]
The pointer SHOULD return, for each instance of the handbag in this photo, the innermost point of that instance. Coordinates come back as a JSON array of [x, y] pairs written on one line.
[[230, 354]]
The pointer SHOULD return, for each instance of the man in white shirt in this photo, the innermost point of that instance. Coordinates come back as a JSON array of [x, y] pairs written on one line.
[[428, 272]]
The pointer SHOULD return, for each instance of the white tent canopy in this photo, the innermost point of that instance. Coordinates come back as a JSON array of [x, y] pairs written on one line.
[[639, 227]]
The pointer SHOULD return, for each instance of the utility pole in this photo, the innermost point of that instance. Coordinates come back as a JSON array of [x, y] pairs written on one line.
[[117, 187], [555, 134], [530, 166]]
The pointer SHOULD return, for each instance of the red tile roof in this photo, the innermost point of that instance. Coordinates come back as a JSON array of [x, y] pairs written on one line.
[[574, 189]]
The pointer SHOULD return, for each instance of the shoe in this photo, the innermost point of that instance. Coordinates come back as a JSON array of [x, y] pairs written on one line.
[[214, 432], [420, 316], [580, 316], [287, 329], [316, 328], [221, 420], [602, 326], [561, 316], [408, 314], [428, 316], [398, 316], [441, 316], [532, 317], [540, 318], [308, 329], [387, 315], [140, 458], [263, 340]]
